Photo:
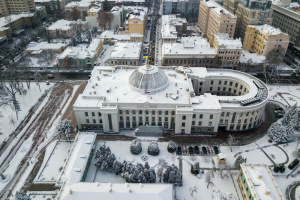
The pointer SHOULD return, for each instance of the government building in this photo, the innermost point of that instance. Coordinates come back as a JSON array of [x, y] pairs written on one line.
[[185, 100]]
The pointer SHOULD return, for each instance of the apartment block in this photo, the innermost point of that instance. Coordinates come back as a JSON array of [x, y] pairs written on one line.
[[8, 7], [66, 29], [252, 12], [287, 19], [214, 19], [135, 21], [263, 39], [230, 5], [228, 49], [186, 8], [53, 7]]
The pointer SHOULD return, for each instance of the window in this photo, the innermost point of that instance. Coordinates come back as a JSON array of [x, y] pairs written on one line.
[[159, 112], [86, 114], [211, 82], [230, 83], [209, 123], [220, 82], [127, 111], [153, 118], [133, 112], [159, 119], [173, 112], [140, 112], [94, 121], [193, 123], [194, 116], [166, 112], [153, 112], [141, 119], [200, 116], [210, 88], [236, 84], [183, 124], [225, 83], [87, 121], [93, 114], [120, 112], [166, 119], [184, 117], [99, 114], [211, 116], [227, 114]]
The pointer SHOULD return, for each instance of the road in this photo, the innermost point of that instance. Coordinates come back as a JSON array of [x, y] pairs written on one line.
[[39, 127]]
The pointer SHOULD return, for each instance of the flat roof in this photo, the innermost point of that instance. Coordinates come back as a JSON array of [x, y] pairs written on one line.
[[168, 28], [126, 50]]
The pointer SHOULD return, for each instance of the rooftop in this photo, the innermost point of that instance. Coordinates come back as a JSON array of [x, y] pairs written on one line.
[[35, 46], [268, 29], [61, 24], [77, 4], [188, 46], [126, 50], [218, 9], [119, 37], [136, 13], [261, 182], [5, 20], [225, 41], [247, 57], [169, 23]]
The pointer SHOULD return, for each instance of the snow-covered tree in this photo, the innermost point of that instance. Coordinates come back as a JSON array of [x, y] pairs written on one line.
[[172, 175], [117, 167], [64, 129], [280, 133], [171, 146], [153, 148], [21, 196], [136, 147], [208, 178], [239, 160]]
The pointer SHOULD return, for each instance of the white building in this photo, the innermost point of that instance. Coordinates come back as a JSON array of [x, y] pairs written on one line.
[[191, 51], [186, 100], [82, 6], [73, 187], [64, 28], [111, 37], [35, 47], [125, 53], [257, 182]]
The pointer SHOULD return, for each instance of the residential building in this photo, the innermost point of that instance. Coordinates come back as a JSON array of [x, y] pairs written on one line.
[[191, 51], [15, 24], [214, 19], [112, 3], [53, 7], [263, 39], [41, 12], [9, 7], [230, 5], [135, 21], [252, 12], [257, 182], [111, 37], [125, 53], [287, 19], [228, 49], [180, 99], [173, 27], [251, 62], [38, 47], [64, 28], [188, 9], [92, 15], [82, 6], [82, 55]]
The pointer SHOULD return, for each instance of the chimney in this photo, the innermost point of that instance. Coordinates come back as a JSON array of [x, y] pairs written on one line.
[[268, 191], [259, 176]]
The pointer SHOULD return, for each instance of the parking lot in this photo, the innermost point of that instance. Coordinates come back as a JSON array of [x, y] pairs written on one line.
[[197, 150]]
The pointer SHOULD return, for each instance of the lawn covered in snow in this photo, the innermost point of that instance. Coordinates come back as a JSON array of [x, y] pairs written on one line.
[[290, 97], [26, 102]]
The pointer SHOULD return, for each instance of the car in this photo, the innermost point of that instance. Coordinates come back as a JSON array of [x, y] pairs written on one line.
[[47, 83], [191, 150], [179, 152], [279, 115], [216, 150], [50, 76], [197, 150], [31, 78], [279, 108], [278, 111], [204, 150], [81, 70], [293, 164]]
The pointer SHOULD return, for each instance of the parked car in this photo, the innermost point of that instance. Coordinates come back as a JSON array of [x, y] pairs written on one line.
[[293, 164], [191, 150], [50, 76], [179, 152], [204, 150], [47, 83], [216, 150], [197, 150], [278, 108]]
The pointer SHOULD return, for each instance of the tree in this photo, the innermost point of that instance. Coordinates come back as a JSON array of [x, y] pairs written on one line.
[[171, 146], [22, 196], [64, 130], [104, 19], [89, 36], [78, 35], [67, 62], [136, 147], [239, 160], [208, 178], [231, 141], [172, 175], [73, 15], [153, 149], [37, 78]]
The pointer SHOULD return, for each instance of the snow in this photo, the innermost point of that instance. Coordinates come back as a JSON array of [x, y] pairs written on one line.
[[267, 29], [61, 25], [55, 156], [126, 50], [4, 22], [16, 161], [224, 41], [218, 9], [136, 13], [26, 102], [169, 23], [251, 57], [35, 46], [290, 94]]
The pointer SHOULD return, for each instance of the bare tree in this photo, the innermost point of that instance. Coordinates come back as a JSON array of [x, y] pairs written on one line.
[[231, 141], [67, 61], [208, 178], [104, 19], [73, 14], [12, 120], [37, 78]]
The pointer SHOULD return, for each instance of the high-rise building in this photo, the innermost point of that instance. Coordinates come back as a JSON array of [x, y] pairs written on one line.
[[263, 39], [8, 7], [287, 18], [214, 19], [230, 5], [252, 12]]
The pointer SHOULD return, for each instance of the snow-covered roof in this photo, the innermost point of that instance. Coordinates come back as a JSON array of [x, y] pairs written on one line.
[[79, 156], [95, 9], [136, 13], [118, 191], [268, 29], [110, 86], [224, 41], [82, 51], [218, 9], [126, 50], [35, 46], [112, 35], [261, 182], [222, 156], [247, 57], [5, 20], [78, 4], [169, 23], [61, 25], [189, 46]]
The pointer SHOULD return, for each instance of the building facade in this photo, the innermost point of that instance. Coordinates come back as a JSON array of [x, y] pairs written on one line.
[[287, 19], [228, 50], [263, 39], [53, 7], [214, 19], [184, 100], [257, 182], [230, 5], [252, 12], [8, 7], [135, 21]]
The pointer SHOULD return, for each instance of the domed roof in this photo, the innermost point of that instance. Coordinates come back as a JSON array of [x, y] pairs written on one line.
[[148, 80]]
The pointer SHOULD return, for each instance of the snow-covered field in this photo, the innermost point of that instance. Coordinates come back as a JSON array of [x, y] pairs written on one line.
[[291, 97], [55, 156], [26, 102]]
